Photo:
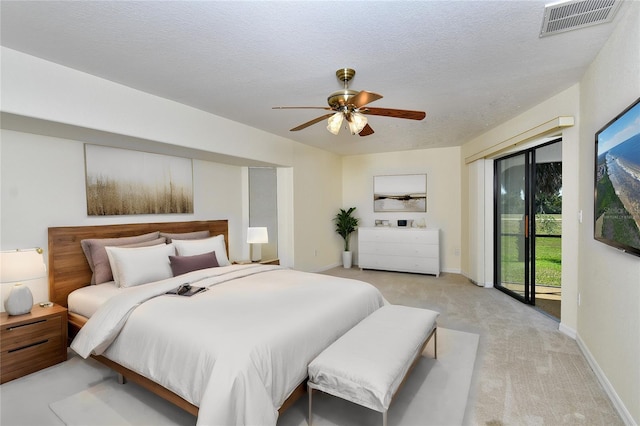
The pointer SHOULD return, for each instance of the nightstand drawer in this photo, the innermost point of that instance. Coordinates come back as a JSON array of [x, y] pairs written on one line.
[[17, 336], [33, 357]]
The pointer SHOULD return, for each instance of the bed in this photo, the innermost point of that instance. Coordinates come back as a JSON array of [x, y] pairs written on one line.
[[234, 354]]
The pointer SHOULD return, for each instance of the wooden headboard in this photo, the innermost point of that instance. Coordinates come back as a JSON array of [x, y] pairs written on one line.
[[68, 267]]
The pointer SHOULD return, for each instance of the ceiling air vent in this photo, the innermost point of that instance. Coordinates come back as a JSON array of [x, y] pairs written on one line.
[[571, 15]]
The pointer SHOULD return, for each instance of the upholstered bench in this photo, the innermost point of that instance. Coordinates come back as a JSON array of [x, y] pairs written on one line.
[[369, 363]]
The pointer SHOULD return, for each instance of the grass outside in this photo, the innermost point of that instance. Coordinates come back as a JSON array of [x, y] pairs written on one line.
[[548, 252], [548, 261]]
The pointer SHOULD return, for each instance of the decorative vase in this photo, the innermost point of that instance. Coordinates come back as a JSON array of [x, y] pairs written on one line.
[[20, 300], [346, 259]]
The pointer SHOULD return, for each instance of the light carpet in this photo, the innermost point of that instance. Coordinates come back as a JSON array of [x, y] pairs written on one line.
[[434, 394], [109, 403]]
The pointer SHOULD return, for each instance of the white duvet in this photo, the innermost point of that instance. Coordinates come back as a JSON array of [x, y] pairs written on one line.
[[237, 350]]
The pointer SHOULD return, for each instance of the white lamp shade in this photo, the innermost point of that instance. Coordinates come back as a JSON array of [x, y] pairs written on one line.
[[357, 123], [257, 235], [21, 265], [334, 122]]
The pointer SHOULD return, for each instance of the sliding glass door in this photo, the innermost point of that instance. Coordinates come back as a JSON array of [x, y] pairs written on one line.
[[528, 223], [512, 226]]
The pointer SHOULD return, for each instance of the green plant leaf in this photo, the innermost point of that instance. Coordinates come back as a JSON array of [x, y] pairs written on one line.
[[346, 224]]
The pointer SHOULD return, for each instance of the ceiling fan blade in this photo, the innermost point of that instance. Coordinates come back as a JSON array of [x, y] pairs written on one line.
[[311, 123], [363, 98], [395, 113], [366, 131], [301, 107]]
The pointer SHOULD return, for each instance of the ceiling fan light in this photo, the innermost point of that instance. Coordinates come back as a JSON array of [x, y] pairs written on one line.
[[334, 123], [357, 123]]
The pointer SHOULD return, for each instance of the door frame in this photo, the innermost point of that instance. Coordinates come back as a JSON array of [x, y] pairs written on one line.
[[529, 296]]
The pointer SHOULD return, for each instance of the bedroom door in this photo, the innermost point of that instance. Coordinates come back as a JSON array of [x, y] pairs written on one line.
[[528, 223], [263, 206]]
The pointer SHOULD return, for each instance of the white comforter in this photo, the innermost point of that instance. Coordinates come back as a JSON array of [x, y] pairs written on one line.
[[236, 351]]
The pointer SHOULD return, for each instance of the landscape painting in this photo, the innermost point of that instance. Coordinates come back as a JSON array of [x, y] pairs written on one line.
[[617, 182], [400, 193], [125, 182]]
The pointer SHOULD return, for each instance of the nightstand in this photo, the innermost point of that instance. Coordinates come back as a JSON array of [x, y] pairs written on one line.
[[32, 341], [262, 262]]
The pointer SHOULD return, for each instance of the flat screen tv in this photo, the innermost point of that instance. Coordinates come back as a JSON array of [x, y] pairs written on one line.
[[617, 182]]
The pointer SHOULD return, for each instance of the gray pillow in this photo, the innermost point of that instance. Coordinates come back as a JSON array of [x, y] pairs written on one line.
[[196, 235]]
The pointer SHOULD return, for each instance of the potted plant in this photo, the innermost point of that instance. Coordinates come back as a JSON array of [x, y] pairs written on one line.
[[345, 225]]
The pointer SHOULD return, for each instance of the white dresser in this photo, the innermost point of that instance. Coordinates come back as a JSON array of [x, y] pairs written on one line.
[[399, 249]]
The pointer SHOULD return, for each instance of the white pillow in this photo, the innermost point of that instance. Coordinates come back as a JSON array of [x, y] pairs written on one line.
[[205, 245], [140, 265]]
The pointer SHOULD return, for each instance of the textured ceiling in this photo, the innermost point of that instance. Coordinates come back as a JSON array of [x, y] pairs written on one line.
[[469, 64]]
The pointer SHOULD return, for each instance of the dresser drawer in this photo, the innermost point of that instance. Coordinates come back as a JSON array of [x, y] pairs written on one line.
[[398, 235], [400, 263], [399, 249]]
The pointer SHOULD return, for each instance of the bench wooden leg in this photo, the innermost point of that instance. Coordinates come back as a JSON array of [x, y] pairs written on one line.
[[384, 418]]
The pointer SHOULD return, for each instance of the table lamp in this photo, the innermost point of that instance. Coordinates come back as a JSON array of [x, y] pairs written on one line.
[[17, 266], [256, 236]]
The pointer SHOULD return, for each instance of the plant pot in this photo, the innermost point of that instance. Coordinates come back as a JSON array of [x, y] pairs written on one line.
[[346, 259]]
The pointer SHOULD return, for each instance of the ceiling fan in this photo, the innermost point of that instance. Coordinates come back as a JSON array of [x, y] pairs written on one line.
[[350, 105]]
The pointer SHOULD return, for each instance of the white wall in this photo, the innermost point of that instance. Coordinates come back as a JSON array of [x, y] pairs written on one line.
[[317, 198], [43, 185], [609, 280], [442, 167]]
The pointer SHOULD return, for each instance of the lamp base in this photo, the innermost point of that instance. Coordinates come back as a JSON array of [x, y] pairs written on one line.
[[256, 252], [20, 300]]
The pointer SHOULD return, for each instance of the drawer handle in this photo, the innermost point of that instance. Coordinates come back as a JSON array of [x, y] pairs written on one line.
[[26, 325], [28, 346]]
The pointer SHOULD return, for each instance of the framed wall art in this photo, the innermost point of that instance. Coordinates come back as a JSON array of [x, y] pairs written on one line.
[[125, 182], [400, 193], [617, 182]]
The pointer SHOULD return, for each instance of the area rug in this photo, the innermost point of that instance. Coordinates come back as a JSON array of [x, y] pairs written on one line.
[[435, 393], [109, 403]]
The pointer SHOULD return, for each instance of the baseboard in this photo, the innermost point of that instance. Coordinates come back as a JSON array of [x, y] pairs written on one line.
[[326, 268], [608, 388], [485, 285], [564, 329], [452, 270]]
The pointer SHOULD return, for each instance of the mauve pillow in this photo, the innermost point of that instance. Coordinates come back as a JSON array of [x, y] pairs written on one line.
[[97, 256], [183, 264], [196, 235]]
